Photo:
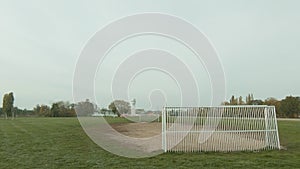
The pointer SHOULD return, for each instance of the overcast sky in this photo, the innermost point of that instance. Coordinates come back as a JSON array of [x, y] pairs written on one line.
[[257, 42]]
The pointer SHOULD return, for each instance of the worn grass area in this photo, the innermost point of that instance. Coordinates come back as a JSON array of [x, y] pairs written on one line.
[[61, 143]]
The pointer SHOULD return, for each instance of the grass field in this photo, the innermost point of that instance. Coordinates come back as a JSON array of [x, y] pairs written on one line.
[[61, 143]]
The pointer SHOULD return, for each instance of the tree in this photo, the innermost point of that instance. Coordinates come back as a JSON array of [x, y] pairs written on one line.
[[85, 108], [240, 101], [119, 107], [42, 110], [290, 106], [113, 107], [45, 110], [249, 99], [225, 103], [8, 105], [55, 110], [71, 110], [58, 109], [103, 111], [256, 102], [37, 109], [233, 101], [62, 108], [271, 101], [22, 112]]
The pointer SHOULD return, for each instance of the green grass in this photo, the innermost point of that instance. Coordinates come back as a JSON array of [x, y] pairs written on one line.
[[61, 143]]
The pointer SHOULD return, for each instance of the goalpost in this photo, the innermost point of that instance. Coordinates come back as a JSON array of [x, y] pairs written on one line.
[[222, 128]]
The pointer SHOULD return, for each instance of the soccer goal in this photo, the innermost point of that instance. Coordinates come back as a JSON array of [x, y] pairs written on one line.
[[223, 128]]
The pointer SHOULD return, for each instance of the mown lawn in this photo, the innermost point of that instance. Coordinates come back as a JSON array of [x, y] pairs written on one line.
[[61, 143]]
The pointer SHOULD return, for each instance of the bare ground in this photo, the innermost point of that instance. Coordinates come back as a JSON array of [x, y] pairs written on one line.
[[216, 142], [138, 130]]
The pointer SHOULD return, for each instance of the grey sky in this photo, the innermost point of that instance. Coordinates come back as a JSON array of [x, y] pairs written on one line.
[[257, 42]]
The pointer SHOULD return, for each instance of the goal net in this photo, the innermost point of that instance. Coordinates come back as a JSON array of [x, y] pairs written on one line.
[[223, 128]]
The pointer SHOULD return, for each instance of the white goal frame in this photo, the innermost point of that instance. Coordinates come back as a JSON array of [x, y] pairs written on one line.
[[222, 128]]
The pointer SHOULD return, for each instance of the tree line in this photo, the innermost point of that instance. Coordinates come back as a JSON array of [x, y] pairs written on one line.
[[61, 108], [84, 108], [287, 107]]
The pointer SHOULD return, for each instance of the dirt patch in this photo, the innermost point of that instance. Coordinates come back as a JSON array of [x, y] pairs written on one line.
[[216, 142], [138, 130]]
